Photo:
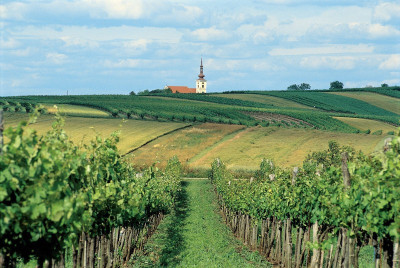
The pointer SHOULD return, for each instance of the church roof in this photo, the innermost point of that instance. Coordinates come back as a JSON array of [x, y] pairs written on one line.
[[182, 89]]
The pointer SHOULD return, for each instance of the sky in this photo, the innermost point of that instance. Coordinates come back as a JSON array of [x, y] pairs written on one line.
[[118, 46]]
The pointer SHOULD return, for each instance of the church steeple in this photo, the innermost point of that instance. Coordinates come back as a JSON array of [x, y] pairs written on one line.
[[201, 83], [201, 75]]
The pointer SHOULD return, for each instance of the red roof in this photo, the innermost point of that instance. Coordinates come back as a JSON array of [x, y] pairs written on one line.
[[182, 89]]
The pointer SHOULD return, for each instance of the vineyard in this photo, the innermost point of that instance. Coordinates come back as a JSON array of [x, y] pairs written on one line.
[[62, 203], [320, 215], [311, 109], [71, 198]]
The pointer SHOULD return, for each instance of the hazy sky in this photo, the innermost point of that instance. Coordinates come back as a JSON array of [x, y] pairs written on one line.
[[116, 46]]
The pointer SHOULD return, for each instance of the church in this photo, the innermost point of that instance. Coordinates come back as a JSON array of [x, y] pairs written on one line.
[[201, 84]]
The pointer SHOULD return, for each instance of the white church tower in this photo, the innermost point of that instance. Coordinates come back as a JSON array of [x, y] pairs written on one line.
[[201, 83]]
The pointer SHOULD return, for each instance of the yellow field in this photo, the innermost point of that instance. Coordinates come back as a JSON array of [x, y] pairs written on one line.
[[264, 99], [76, 110], [185, 144], [197, 146], [133, 132], [364, 124], [286, 147], [381, 101]]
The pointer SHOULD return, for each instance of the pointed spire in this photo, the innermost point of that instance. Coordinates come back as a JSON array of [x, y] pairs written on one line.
[[201, 75]]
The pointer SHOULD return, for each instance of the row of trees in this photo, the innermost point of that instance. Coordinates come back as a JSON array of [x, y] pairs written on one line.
[[333, 86]]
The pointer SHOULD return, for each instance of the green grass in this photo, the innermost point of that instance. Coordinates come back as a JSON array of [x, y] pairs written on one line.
[[195, 235]]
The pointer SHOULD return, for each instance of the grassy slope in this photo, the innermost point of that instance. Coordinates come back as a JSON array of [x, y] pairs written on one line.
[[287, 147], [133, 132], [185, 144], [195, 235], [76, 110], [364, 124], [385, 102], [268, 100]]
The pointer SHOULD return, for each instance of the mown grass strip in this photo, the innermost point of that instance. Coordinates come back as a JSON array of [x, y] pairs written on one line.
[[195, 236]]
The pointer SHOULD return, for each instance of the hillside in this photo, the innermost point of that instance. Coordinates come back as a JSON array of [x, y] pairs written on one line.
[[241, 128]]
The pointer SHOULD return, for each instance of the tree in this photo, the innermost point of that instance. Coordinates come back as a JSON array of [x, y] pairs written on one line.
[[384, 85], [144, 92], [132, 93], [304, 86], [336, 85], [293, 87]]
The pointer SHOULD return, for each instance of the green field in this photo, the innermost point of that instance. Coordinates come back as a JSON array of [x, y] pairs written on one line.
[[222, 108], [385, 102], [268, 100]]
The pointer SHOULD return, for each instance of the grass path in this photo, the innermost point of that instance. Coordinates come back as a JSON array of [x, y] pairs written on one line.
[[195, 236]]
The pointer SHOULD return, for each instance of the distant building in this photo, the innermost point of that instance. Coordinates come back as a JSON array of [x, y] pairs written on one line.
[[201, 84], [181, 89]]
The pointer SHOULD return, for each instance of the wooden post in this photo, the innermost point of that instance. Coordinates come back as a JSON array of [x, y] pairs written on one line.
[[315, 255], [1, 132], [396, 260], [294, 175], [345, 170]]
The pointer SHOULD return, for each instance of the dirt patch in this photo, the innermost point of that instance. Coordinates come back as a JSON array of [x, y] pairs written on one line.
[[276, 117]]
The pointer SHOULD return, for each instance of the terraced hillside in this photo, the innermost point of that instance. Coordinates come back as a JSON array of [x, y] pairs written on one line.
[[315, 109]]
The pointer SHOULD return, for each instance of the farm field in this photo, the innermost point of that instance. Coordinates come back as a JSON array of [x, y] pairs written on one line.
[[185, 144], [133, 134], [364, 124], [385, 102], [197, 146], [221, 108], [269, 100], [286, 147]]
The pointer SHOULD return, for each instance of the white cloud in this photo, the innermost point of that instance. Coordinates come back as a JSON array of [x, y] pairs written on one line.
[[328, 62], [393, 62], [377, 30], [56, 58], [86, 35], [209, 34], [13, 10], [386, 11], [121, 9], [136, 63], [9, 43], [333, 49], [140, 44]]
